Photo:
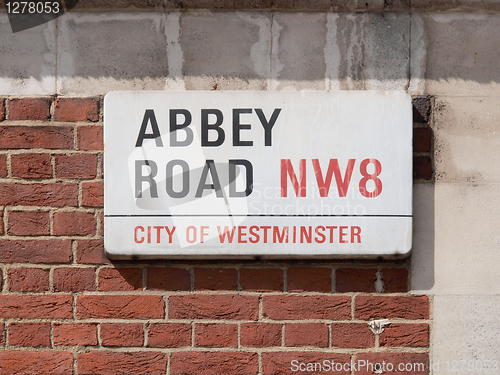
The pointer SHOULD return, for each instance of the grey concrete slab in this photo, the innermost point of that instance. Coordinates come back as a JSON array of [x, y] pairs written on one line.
[[27, 59], [98, 53]]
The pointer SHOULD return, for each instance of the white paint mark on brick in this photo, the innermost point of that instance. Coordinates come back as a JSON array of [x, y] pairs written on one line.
[[332, 53], [175, 80], [276, 65]]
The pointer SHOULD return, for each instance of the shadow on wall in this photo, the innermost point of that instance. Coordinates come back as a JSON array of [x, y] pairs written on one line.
[[93, 53]]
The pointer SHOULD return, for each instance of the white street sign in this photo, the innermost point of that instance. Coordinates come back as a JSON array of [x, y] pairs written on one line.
[[273, 174]]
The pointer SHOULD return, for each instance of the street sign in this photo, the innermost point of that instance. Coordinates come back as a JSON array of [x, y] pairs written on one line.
[[269, 174]]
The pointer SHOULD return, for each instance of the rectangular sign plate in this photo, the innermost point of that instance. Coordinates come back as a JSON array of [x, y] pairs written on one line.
[[273, 174]]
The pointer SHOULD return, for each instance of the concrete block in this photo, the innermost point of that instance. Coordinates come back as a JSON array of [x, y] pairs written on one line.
[[373, 50], [299, 62], [462, 55], [27, 59], [467, 135], [98, 53], [465, 329], [225, 51]]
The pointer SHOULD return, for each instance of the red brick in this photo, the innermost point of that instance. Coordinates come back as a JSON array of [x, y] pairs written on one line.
[[352, 335], [213, 363], [422, 139], [76, 166], [29, 334], [71, 279], [216, 335], [28, 137], [28, 280], [309, 279], [35, 251], [2, 109], [36, 363], [3, 165], [29, 109], [29, 223], [73, 334], [120, 307], [405, 335], [2, 334], [74, 223], [306, 334], [54, 195], [137, 363], [260, 334], [101, 218], [36, 307], [355, 280], [281, 363], [31, 165], [169, 335], [116, 334], [91, 252], [417, 361], [307, 307], [406, 307], [120, 279], [76, 109], [90, 138], [261, 279], [213, 307], [215, 279], [168, 279], [395, 280], [422, 167], [92, 194]]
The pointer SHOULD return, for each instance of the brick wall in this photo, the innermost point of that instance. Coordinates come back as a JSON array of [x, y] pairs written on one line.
[[66, 309]]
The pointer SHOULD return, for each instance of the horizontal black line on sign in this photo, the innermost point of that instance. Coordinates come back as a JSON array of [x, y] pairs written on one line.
[[250, 215]]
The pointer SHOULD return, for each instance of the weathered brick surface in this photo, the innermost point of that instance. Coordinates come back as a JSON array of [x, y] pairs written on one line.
[[92, 194], [91, 252], [121, 334], [395, 280], [213, 307], [29, 109], [90, 138], [31, 165], [405, 335], [70, 279], [168, 279], [139, 363], [29, 334], [120, 279], [422, 138], [422, 167], [215, 279], [307, 307], [262, 279], [3, 165], [51, 195], [213, 363], [309, 279], [216, 335], [169, 335], [29, 223], [36, 363], [355, 280], [351, 335], [74, 223], [35, 251], [406, 307], [260, 334], [2, 109], [28, 280], [281, 363], [306, 334], [81, 166], [76, 109], [120, 307], [73, 334], [36, 307], [27, 137]]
